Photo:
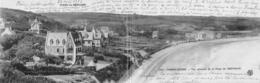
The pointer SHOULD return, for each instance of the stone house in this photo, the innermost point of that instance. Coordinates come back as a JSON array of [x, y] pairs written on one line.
[[200, 35], [66, 45]]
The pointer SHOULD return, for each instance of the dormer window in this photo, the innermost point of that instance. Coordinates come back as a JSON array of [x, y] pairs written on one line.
[[57, 42]]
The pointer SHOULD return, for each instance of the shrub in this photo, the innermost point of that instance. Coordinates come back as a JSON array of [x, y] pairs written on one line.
[[12, 75], [9, 40], [25, 54], [52, 59], [49, 70]]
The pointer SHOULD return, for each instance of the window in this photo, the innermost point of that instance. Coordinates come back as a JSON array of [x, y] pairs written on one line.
[[70, 46], [57, 42], [79, 49], [63, 41], [58, 50], [89, 42], [51, 42]]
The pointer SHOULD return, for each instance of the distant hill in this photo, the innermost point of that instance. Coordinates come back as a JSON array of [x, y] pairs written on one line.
[[62, 21], [197, 22], [21, 20]]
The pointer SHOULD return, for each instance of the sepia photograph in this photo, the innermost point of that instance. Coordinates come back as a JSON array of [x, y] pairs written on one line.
[[129, 41]]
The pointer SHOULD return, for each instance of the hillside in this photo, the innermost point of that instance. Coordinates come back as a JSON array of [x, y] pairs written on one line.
[[198, 22], [58, 21], [21, 20], [61, 21]]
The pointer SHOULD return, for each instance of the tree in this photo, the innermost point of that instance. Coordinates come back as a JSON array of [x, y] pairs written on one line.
[[9, 54], [9, 73], [8, 41], [52, 60], [23, 48], [25, 54]]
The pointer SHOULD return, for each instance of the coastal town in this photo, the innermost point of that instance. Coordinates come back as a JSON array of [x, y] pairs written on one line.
[[88, 52]]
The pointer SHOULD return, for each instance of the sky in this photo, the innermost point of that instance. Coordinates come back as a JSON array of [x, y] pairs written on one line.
[[227, 8]]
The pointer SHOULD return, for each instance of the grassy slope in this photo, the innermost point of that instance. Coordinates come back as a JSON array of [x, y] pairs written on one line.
[[232, 23], [21, 19]]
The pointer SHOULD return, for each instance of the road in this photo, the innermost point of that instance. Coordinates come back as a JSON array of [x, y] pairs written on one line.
[[217, 61]]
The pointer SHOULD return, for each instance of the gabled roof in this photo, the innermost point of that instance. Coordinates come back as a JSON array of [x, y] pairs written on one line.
[[35, 22], [78, 36], [87, 32], [87, 35], [87, 29]]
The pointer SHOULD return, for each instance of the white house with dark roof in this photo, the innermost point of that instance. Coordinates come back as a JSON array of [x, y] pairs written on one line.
[[105, 31], [200, 35], [2, 23], [155, 34], [91, 38], [36, 26], [7, 31], [5, 28], [66, 45], [87, 38]]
